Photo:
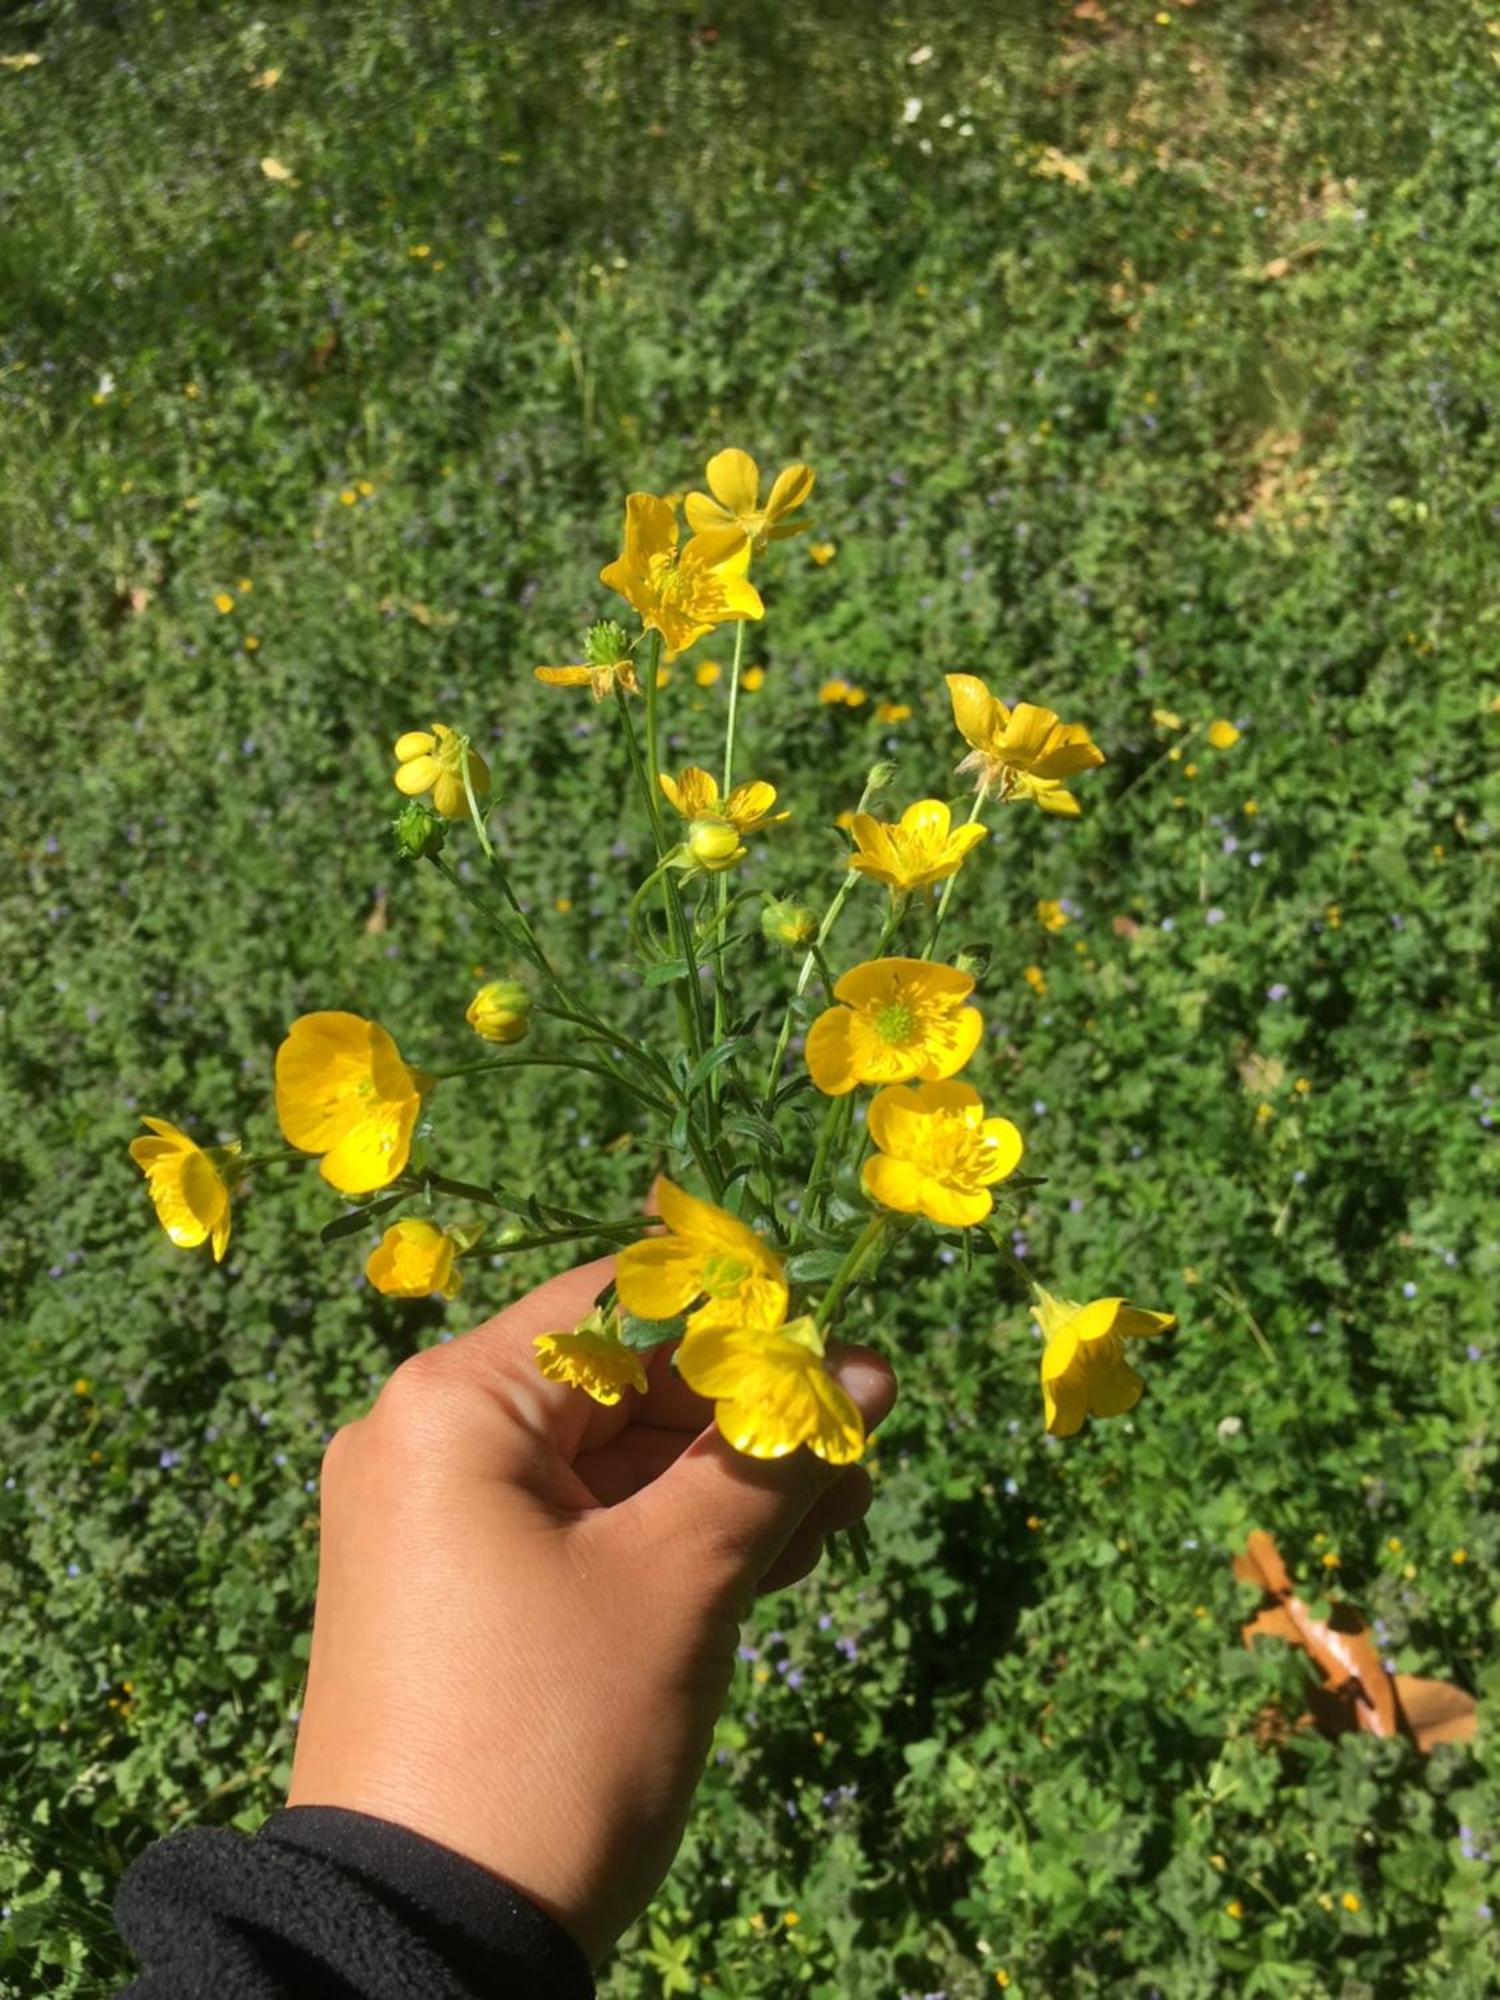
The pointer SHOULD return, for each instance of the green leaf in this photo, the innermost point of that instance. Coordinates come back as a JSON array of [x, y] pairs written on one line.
[[714, 1059], [643, 1334], [667, 973], [750, 1125], [361, 1218], [815, 1267]]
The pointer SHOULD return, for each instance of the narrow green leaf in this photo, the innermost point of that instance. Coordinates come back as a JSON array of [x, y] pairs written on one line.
[[351, 1225]]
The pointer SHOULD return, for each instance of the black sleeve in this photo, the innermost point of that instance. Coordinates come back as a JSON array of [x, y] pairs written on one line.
[[323, 1904]]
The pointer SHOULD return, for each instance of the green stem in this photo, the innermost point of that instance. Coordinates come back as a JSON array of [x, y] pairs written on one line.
[[722, 886], [833, 1119], [865, 1246], [625, 1082], [947, 895], [653, 742], [474, 812]]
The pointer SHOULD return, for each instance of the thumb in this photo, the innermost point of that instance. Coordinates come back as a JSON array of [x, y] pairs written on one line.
[[737, 1514]]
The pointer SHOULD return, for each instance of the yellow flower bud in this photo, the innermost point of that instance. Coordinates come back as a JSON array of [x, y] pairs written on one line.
[[500, 1011], [788, 923], [714, 844]]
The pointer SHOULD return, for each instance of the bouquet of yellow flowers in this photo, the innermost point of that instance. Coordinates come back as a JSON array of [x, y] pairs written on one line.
[[745, 1280]]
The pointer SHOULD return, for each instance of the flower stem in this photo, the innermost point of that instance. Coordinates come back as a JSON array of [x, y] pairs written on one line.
[[947, 895], [625, 1082], [864, 1247], [474, 812], [721, 905]]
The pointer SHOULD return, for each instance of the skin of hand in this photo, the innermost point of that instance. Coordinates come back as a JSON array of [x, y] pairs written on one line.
[[528, 1606]]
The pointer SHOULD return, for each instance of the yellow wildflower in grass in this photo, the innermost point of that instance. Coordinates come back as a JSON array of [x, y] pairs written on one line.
[[414, 1259], [896, 1018], [707, 1255], [838, 692], [434, 762], [921, 848], [1084, 1370], [1023, 753], [734, 481], [680, 593], [1036, 979], [1050, 914], [753, 679], [939, 1155], [223, 603], [1351, 1902], [892, 711], [770, 1390], [695, 795], [599, 679], [707, 672], [188, 1186], [713, 845], [822, 553], [342, 1090], [592, 1358], [1223, 735], [500, 1011], [274, 169]]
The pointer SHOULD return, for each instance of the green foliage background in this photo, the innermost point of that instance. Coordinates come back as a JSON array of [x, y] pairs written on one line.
[[1149, 363]]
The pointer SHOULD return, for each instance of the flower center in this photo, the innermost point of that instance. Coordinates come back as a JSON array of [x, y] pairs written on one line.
[[895, 1022], [723, 1276]]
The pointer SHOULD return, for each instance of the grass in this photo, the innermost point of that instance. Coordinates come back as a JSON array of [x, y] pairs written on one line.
[[1148, 369]]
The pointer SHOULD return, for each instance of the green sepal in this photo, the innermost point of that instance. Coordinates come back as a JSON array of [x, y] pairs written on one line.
[[644, 1334]]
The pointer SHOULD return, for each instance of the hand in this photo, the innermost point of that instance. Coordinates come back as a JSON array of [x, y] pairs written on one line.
[[528, 1607]]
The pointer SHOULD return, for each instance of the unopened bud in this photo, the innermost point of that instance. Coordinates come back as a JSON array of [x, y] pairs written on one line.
[[974, 959], [714, 844], [788, 923], [418, 832], [500, 1011], [880, 776], [606, 644]]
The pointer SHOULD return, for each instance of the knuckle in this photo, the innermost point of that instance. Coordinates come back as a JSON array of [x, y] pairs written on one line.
[[418, 1400]]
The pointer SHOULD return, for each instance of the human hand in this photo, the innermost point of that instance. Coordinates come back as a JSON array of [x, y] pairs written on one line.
[[528, 1606]]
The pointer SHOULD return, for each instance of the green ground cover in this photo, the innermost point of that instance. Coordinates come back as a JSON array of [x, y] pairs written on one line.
[[1147, 360]]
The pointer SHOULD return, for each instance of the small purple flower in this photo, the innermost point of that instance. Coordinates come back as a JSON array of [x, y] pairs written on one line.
[[169, 1458], [1474, 1352], [1213, 916], [73, 1570], [200, 1716], [1408, 1290], [1277, 991], [1229, 845]]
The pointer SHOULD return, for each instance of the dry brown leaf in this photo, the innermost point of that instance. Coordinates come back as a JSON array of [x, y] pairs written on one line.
[[375, 922], [1355, 1691]]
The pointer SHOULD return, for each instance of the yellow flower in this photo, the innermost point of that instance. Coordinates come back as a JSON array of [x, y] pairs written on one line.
[[708, 1255], [1084, 1371], [500, 1011], [414, 1259], [1350, 1901], [189, 1188], [348, 497], [892, 711], [734, 481], [435, 763], [694, 795], [898, 1018], [939, 1155], [680, 593], [274, 170], [753, 679], [1023, 753], [921, 848], [592, 1358], [713, 845], [223, 603], [839, 691], [1050, 915], [770, 1390], [1223, 735], [1036, 979], [342, 1090], [1234, 1908], [822, 553], [600, 679]]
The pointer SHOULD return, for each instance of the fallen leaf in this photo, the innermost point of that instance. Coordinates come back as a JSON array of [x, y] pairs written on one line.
[[1056, 165]]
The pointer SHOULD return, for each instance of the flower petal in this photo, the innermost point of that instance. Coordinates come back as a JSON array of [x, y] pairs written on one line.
[[1114, 1390], [374, 1149], [658, 1278], [564, 677], [791, 489], [707, 517], [893, 1183], [980, 718], [418, 775], [834, 1051], [734, 480]]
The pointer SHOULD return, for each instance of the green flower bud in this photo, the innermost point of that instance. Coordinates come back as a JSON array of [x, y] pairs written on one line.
[[974, 959], [418, 831], [714, 844], [880, 776], [788, 923], [500, 1011], [606, 644]]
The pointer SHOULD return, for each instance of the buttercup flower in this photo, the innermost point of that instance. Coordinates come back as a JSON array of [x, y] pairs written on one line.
[[1084, 1371], [1222, 734], [939, 1155], [681, 593], [607, 663], [708, 1255], [923, 847], [434, 762], [713, 845], [592, 1358], [695, 795], [189, 1188], [770, 1390], [897, 1018], [734, 481], [1022, 753], [414, 1259], [500, 1011], [342, 1090]]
